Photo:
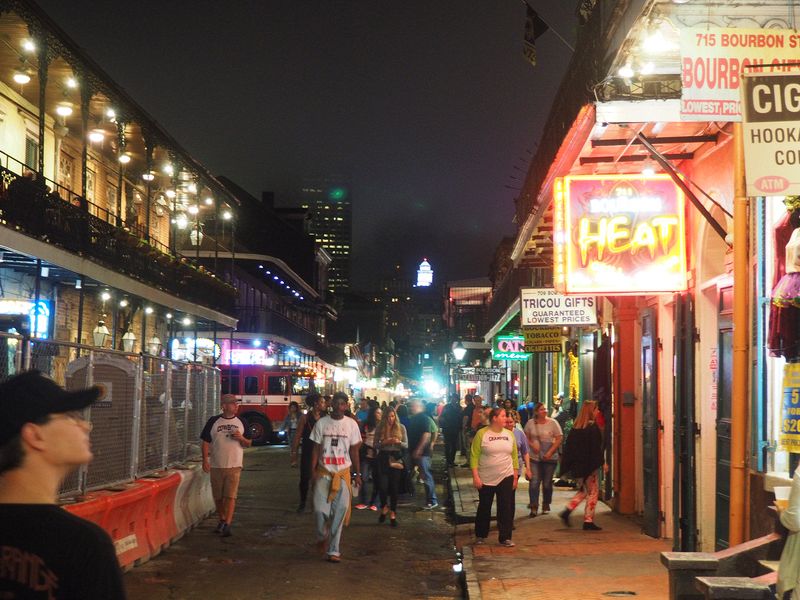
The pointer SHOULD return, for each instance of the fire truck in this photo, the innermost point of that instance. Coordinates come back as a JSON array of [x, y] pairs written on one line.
[[264, 394]]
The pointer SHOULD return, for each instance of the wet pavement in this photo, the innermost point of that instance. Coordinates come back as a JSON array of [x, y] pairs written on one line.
[[271, 552], [554, 562]]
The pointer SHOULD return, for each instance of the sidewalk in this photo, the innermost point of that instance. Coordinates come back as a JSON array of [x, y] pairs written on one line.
[[553, 562]]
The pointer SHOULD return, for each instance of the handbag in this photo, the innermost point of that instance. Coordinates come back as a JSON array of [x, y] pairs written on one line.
[[396, 460]]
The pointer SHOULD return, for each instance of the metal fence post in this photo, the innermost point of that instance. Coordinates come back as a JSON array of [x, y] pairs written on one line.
[[186, 403], [136, 430], [83, 471], [26, 354], [167, 406]]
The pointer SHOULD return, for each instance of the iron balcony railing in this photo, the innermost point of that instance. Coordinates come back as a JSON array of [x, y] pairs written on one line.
[[266, 321], [30, 207]]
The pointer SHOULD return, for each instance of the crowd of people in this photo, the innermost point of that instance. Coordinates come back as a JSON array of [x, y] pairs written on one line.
[[386, 447]]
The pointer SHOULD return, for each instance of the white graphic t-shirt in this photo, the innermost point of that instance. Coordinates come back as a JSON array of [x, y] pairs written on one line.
[[226, 451], [335, 437]]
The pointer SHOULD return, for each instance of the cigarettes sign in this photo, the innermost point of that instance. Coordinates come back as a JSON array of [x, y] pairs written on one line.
[[713, 61], [772, 134], [545, 306]]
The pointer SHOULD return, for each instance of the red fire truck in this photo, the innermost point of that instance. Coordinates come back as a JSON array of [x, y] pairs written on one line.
[[264, 394]]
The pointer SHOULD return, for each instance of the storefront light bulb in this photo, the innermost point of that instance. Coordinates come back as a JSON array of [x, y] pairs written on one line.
[[64, 110], [21, 77], [186, 321], [72, 83], [111, 113], [168, 169], [193, 210], [227, 215], [168, 315], [28, 46], [96, 136], [105, 296], [209, 201], [124, 159], [170, 194], [648, 171], [148, 310], [626, 72], [148, 176], [181, 221]]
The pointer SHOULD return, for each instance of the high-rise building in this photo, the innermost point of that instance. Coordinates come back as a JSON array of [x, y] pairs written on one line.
[[328, 202]]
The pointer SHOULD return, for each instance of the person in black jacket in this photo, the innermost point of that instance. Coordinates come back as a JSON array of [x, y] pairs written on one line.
[[583, 458]]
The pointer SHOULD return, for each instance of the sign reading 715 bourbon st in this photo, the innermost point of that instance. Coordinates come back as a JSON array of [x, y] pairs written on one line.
[[546, 307], [713, 61], [772, 134], [619, 234]]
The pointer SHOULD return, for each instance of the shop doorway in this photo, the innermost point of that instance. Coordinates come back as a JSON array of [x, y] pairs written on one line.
[[650, 428], [724, 378]]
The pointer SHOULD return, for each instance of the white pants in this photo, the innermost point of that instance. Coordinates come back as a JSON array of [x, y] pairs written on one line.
[[330, 515]]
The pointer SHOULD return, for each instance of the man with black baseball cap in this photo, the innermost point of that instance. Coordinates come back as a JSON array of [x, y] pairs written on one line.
[[45, 551]]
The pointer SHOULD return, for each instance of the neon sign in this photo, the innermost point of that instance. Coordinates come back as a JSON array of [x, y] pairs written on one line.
[[619, 234], [509, 347], [38, 319]]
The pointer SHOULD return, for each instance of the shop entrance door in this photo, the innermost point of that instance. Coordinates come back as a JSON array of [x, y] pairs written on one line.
[[650, 428], [724, 377]]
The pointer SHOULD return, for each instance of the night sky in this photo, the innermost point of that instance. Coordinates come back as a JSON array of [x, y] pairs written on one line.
[[428, 106]]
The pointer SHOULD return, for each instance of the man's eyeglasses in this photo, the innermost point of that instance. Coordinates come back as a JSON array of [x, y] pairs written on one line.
[[75, 416]]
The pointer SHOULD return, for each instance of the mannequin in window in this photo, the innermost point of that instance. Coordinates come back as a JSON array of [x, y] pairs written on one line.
[[784, 316]]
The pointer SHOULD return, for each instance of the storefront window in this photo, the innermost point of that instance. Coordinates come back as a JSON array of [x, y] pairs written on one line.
[[775, 340]]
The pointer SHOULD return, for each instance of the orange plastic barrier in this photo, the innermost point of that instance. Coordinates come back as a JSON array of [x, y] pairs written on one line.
[[92, 507], [126, 523], [161, 526], [180, 510]]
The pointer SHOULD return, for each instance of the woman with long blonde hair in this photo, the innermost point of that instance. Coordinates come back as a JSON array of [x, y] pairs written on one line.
[[583, 458], [391, 441]]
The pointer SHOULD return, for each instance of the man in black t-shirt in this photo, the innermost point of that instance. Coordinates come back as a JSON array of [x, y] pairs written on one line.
[[45, 551], [451, 422]]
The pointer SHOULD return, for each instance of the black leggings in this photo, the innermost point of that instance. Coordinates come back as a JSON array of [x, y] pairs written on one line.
[[505, 508], [305, 474], [389, 479]]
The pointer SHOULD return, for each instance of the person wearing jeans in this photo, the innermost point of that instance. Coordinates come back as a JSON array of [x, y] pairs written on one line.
[[495, 469], [544, 440], [421, 438]]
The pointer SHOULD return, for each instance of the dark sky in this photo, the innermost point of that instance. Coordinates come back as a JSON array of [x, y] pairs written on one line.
[[427, 105]]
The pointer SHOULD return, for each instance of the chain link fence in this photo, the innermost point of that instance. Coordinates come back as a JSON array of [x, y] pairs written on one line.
[[150, 417]]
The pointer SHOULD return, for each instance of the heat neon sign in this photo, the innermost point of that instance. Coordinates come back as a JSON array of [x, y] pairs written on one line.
[[619, 234]]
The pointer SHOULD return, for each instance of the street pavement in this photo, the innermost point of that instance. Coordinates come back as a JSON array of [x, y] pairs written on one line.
[[271, 552], [553, 562]]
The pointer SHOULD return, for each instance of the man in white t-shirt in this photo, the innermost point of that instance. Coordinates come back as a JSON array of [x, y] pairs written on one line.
[[336, 442], [225, 437]]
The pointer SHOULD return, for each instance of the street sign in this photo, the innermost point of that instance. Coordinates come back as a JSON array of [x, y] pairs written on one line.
[[790, 411], [494, 374], [772, 134], [545, 306], [543, 339]]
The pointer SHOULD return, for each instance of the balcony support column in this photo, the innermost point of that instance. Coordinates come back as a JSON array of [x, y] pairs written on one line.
[[86, 97], [43, 58], [120, 152], [149, 147]]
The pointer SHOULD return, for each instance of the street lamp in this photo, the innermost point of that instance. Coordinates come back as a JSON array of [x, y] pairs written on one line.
[[459, 351]]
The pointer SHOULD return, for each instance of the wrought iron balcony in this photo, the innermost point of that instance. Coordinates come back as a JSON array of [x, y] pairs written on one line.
[[266, 321], [29, 207]]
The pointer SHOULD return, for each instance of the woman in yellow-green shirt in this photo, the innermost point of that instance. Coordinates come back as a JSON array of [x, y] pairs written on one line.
[[495, 468]]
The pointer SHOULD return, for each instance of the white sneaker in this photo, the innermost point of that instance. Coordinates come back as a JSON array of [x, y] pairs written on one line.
[[508, 544]]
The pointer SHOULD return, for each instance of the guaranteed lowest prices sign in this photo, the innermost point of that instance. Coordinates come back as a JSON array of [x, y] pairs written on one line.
[[713, 61], [545, 307], [619, 234], [790, 413], [772, 134]]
